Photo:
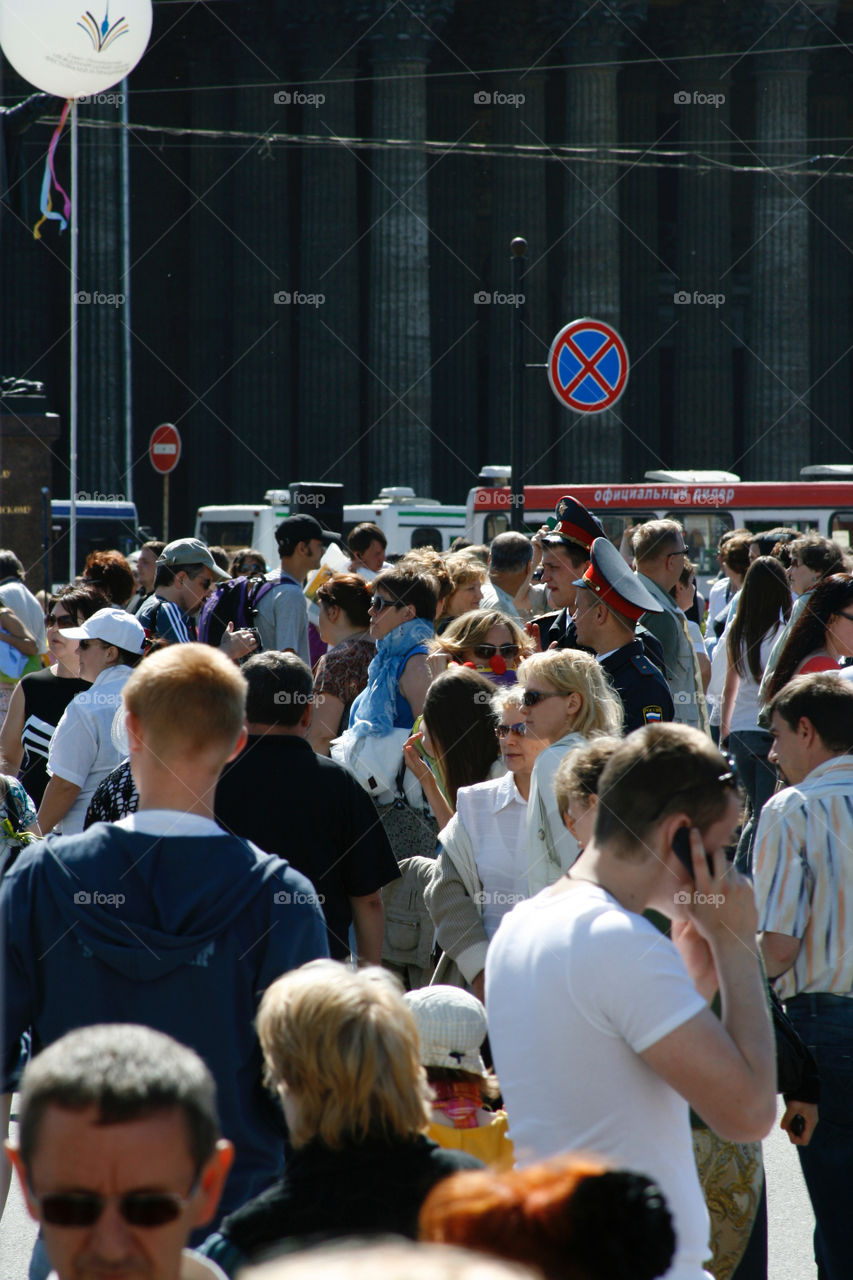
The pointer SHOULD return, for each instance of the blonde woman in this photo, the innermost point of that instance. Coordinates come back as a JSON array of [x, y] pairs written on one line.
[[566, 700], [341, 1053], [467, 576], [489, 639], [482, 868]]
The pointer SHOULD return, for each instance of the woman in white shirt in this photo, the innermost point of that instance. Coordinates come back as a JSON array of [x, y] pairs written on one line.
[[762, 610], [482, 867], [81, 750]]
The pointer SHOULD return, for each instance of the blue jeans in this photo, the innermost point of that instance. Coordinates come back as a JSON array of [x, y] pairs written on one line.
[[825, 1023], [749, 750]]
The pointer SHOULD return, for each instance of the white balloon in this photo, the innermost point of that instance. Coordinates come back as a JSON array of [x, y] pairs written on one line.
[[73, 48]]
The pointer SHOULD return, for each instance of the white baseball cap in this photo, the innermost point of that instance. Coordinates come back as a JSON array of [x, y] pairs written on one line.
[[113, 626], [451, 1027]]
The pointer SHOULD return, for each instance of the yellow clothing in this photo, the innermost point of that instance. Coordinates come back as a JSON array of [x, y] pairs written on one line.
[[489, 1143]]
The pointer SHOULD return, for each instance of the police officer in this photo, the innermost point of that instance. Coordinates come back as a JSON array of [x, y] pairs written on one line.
[[610, 599], [565, 557]]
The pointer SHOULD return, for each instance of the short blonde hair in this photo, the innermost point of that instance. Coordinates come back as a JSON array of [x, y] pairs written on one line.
[[464, 569], [345, 1043], [473, 628], [573, 671], [188, 697], [654, 539], [579, 771]]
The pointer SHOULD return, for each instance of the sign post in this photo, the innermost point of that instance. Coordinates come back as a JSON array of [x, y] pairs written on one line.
[[164, 450], [588, 366]]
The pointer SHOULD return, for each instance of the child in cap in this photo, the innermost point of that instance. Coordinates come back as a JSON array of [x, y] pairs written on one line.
[[452, 1027]]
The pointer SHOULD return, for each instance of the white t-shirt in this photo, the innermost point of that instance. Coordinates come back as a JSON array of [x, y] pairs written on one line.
[[82, 750], [494, 815], [576, 988]]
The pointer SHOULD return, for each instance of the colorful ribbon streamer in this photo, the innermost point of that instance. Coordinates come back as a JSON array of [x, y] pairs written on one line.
[[47, 210]]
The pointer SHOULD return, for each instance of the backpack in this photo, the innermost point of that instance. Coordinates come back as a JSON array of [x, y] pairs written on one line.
[[234, 601]]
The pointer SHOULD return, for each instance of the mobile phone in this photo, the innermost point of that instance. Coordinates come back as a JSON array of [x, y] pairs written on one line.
[[798, 1125], [681, 849]]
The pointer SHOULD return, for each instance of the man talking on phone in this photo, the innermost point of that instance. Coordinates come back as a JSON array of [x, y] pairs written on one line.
[[599, 1025]]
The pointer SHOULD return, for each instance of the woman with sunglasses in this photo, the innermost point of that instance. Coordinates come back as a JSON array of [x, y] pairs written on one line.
[[567, 699], [486, 639], [821, 637], [41, 697], [82, 751], [483, 869]]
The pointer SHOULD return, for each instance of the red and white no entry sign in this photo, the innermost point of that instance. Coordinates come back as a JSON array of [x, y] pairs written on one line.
[[164, 448]]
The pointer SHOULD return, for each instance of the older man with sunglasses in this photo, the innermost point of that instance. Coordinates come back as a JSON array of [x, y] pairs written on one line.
[[119, 1154]]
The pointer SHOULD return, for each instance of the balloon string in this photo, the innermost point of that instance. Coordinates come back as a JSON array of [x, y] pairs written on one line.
[[45, 204]]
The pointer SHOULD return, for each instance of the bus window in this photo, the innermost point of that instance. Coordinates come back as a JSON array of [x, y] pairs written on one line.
[[493, 525], [702, 533], [426, 537], [616, 522], [840, 528]]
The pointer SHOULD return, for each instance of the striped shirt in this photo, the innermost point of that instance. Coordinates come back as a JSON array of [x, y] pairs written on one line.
[[166, 619], [804, 877]]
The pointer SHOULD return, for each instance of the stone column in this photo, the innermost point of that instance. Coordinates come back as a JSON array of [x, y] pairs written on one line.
[[399, 348], [592, 445], [703, 428], [27, 436], [778, 422], [829, 200], [328, 410], [102, 294]]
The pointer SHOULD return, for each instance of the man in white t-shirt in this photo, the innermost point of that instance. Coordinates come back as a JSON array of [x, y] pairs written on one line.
[[600, 1035]]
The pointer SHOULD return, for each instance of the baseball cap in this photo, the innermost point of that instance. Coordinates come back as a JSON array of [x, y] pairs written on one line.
[[184, 551], [451, 1027], [303, 529], [113, 626]]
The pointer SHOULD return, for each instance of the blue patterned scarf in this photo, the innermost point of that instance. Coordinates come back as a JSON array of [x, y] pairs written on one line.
[[374, 709]]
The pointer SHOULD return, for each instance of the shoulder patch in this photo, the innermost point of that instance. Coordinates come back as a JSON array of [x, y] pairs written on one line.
[[652, 715]]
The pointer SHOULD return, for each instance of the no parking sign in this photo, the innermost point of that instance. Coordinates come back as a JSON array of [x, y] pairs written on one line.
[[588, 366]]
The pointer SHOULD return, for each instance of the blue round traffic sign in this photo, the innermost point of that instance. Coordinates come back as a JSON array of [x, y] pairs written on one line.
[[588, 366]]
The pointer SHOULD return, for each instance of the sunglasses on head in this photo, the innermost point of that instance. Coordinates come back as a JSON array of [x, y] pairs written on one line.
[[138, 1208], [489, 650], [504, 730], [531, 697]]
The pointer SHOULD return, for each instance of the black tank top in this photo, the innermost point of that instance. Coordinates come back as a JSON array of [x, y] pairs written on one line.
[[45, 698]]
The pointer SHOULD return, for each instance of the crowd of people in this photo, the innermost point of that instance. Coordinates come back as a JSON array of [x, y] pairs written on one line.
[[484, 899]]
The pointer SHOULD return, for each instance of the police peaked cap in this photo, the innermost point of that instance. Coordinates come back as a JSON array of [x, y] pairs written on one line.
[[574, 524], [615, 585]]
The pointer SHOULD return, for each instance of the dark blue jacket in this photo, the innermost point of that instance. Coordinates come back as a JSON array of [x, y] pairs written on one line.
[[182, 934]]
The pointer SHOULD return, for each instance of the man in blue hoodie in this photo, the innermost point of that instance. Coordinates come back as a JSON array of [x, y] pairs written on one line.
[[164, 919]]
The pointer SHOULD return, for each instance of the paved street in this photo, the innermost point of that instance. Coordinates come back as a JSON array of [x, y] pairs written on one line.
[[790, 1220]]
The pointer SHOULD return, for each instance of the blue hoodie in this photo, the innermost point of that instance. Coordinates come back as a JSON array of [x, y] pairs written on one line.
[[180, 933]]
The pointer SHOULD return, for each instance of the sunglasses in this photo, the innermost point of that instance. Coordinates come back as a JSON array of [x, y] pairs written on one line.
[[60, 620], [532, 697], [504, 730], [378, 603], [138, 1208], [87, 644], [489, 650]]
